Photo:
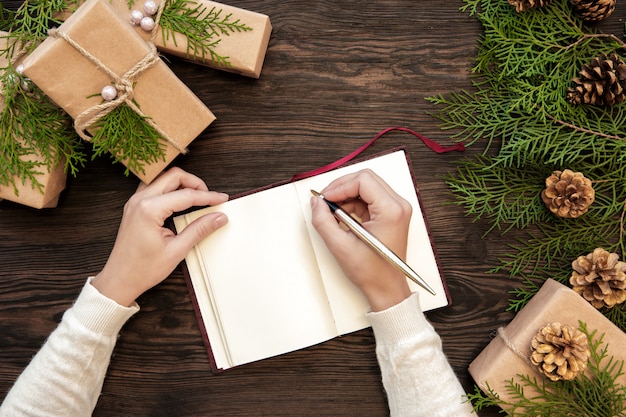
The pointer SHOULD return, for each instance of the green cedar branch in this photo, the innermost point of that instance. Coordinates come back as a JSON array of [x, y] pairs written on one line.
[[517, 108], [201, 26], [32, 125], [7, 19], [29, 25], [129, 138]]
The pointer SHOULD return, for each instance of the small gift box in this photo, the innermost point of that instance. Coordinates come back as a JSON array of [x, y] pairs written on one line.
[[93, 50], [26, 193], [508, 354], [239, 36], [244, 46], [50, 181]]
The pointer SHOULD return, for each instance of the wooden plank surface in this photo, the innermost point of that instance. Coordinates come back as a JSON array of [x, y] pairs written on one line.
[[336, 73]]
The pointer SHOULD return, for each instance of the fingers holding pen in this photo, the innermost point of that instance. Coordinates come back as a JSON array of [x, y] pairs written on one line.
[[385, 215], [336, 238], [367, 195], [365, 185]]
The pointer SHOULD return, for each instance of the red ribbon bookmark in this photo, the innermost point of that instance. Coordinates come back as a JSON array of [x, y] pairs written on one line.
[[428, 142]]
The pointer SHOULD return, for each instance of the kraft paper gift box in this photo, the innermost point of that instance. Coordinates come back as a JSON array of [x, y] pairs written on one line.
[[554, 302], [52, 180], [53, 183], [245, 50], [74, 81]]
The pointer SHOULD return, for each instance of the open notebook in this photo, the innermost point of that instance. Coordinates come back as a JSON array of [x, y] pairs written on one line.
[[265, 284]]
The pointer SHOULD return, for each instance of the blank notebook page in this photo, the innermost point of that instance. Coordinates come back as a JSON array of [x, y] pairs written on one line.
[[270, 298]]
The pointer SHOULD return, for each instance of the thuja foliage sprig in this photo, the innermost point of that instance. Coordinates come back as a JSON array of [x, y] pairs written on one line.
[[6, 18], [518, 110], [35, 135], [129, 138], [201, 26], [496, 192], [30, 23], [509, 197], [594, 393], [524, 65]]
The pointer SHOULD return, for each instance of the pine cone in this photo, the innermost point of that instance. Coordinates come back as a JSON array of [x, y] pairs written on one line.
[[600, 83], [560, 352], [600, 278], [568, 194], [593, 10], [523, 5]]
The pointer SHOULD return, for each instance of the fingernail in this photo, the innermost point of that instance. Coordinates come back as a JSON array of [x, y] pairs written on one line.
[[220, 221]]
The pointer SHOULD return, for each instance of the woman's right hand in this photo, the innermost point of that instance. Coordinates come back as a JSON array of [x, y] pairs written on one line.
[[384, 214]]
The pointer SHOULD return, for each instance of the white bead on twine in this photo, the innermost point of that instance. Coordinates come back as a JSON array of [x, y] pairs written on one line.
[[135, 17], [23, 80], [147, 24], [138, 18], [108, 93], [150, 7]]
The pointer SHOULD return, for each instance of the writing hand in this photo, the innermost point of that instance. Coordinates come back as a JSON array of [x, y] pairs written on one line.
[[383, 213]]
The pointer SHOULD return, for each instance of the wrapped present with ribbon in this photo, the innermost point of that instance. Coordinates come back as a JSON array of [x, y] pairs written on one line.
[[33, 170], [122, 97], [544, 342], [213, 34]]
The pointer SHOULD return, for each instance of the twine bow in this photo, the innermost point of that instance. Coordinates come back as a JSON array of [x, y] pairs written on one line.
[[124, 84]]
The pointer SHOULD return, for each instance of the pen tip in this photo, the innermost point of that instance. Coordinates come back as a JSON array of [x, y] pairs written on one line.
[[315, 193], [428, 288]]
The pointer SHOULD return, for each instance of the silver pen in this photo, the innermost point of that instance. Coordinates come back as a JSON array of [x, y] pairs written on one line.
[[375, 244]]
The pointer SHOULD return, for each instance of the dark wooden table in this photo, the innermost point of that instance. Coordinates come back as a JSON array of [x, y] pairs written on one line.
[[336, 73]]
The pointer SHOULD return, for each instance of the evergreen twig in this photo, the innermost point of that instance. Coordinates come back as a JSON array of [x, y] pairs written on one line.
[[518, 110], [35, 134], [29, 25], [7, 19], [201, 27], [31, 125], [129, 138]]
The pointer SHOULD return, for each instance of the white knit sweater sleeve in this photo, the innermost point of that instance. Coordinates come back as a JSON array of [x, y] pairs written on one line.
[[416, 374], [65, 377]]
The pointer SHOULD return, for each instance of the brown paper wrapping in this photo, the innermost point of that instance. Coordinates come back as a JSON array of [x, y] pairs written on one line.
[[554, 302], [245, 50], [52, 181], [71, 80]]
